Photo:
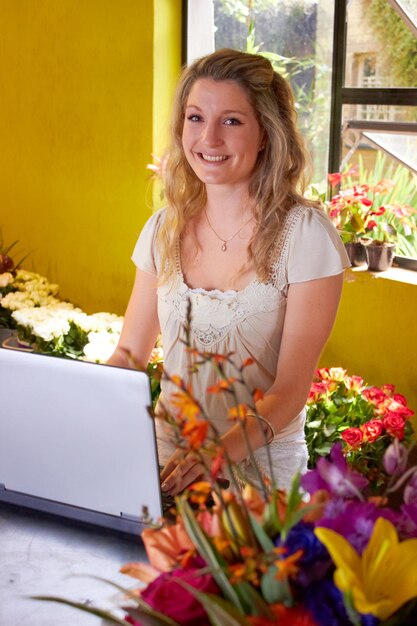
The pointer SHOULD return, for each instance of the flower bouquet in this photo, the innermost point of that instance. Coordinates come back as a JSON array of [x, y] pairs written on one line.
[[367, 419], [325, 553]]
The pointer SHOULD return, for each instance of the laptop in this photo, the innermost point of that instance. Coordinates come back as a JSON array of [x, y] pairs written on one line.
[[76, 440]]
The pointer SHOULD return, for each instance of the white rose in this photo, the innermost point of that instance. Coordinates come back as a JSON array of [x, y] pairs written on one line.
[[6, 279]]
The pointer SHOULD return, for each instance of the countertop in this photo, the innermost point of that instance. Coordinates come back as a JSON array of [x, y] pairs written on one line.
[[44, 555]]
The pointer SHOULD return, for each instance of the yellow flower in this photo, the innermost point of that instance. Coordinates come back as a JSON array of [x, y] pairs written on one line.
[[383, 578]]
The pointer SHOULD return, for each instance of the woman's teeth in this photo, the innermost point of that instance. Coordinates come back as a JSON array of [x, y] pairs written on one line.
[[207, 157]]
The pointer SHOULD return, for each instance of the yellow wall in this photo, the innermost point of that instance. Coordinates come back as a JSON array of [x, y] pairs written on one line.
[[375, 335], [76, 133]]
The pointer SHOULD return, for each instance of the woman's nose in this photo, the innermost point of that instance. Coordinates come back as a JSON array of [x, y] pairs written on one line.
[[212, 134]]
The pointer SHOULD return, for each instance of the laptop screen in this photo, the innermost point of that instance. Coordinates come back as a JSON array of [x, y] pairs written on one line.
[[79, 435]]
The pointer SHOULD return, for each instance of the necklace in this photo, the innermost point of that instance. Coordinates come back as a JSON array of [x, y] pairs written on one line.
[[226, 241]]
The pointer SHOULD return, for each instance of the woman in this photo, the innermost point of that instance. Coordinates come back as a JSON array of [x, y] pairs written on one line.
[[261, 266]]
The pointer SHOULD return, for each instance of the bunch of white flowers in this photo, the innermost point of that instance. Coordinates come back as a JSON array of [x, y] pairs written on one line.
[[29, 290], [48, 322], [100, 346]]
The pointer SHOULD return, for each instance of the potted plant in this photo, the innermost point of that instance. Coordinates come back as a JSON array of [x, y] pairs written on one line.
[[368, 228]]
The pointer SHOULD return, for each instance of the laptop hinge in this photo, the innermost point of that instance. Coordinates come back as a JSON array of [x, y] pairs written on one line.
[[132, 518]]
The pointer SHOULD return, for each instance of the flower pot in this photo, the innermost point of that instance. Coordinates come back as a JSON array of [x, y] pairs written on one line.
[[380, 256], [356, 253]]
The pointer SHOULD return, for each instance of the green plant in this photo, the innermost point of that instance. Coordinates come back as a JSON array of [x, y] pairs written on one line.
[[379, 209], [397, 41]]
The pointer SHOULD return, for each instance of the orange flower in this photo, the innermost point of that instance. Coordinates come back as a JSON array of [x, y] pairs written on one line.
[[247, 362], [254, 503], [187, 405], [165, 546], [216, 464], [195, 433], [222, 385], [199, 492], [258, 395], [141, 571], [287, 566], [238, 412]]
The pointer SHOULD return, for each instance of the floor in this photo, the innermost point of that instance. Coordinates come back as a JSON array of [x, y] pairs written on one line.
[[43, 555]]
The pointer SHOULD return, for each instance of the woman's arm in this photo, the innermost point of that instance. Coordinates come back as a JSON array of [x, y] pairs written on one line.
[[310, 314], [141, 325]]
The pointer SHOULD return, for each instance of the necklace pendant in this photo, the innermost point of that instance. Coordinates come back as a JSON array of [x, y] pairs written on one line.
[[224, 246]]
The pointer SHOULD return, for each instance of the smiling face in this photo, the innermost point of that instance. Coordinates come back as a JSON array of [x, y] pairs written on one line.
[[221, 135]]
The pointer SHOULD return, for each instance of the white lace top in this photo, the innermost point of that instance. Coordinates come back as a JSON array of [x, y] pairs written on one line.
[[248, 322]]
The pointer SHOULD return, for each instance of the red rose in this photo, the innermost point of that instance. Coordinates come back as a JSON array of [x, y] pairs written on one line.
[[394, 424], [372, 430], [374, 395], [165, 595], [353, 437]]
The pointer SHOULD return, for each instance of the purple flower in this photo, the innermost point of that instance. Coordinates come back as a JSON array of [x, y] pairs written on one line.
[[408, 523], [354, 520], [325, 603], [334, 475], [315, 561], [410, 492], [395, 458]]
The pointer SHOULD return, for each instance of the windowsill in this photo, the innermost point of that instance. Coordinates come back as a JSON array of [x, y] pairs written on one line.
[[397, 274]]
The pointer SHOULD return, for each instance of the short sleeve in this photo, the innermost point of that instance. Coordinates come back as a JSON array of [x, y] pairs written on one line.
[[315, 248], [145, 254]]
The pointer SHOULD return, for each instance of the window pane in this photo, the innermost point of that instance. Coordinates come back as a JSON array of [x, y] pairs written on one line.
[[387, 161], [299, 34], [381, 50]]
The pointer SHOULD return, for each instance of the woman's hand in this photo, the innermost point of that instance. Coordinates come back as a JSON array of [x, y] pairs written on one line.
[[178, 474]]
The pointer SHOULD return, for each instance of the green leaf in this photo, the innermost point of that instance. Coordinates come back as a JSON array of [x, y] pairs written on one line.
[[143, 608], [266, 543], [88, 609], [273, 590], [220, 612], [255, 600], [207, 551], [150, 618]]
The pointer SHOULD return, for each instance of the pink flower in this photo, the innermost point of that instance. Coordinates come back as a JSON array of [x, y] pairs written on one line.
[[353, 437], [372, 430], [168, 597], [371, 225]]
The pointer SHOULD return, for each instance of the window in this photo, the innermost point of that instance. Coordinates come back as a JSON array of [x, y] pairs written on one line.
[[352, 66], [296, 35]]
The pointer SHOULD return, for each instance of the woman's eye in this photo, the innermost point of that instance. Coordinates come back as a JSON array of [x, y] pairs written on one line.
[[232, 121], [194, 118]]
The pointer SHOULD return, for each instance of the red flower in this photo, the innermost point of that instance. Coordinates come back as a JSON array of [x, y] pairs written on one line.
[[353, 437], [371, 225], [285, 616], [165, 595], [394, 424], [374, 395], [372, 430], [334, 179]]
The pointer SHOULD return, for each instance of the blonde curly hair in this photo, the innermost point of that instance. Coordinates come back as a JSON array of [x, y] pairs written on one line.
[[278, 180]]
